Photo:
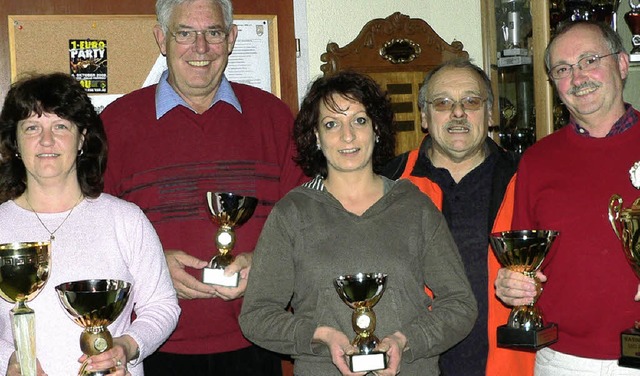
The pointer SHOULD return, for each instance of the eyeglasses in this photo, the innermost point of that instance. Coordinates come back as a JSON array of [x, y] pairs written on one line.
[[467, 103], [587, 63], [212, 36]]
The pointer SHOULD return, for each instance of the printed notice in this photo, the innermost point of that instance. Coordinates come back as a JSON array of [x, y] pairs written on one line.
[[249, 63], [88, 64]]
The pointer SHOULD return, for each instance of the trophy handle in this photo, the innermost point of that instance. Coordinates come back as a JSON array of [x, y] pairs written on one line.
[[615, 206], [23, 321]]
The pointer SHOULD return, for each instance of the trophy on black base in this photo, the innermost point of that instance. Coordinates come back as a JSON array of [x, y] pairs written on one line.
[[94, 304], [626, 225], [24, 270], [361, 292], [229, 211], [523, 251], [632, 18]]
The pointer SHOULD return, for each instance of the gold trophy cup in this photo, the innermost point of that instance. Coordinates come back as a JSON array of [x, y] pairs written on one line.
[[229, 211], [625, 223], [24, 270], [94, 304], [523, 251], [361, 292]]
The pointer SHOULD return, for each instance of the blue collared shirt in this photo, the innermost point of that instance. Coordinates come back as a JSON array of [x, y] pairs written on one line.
[[167, 98]]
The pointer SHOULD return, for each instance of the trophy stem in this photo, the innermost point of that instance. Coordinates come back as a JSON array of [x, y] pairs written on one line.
[[220, 261], [363, 320], [84, 372], [225, 238], [23, 320], [95, 340]]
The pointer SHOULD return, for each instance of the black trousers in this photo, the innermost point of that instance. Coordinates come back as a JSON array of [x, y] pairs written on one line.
[[250, 361]]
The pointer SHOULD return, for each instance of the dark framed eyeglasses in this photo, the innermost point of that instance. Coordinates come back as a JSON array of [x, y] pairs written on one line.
[[212, 36]]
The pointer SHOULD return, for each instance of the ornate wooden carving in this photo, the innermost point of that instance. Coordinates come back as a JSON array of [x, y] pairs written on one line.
[[396, 52], [363, 53]]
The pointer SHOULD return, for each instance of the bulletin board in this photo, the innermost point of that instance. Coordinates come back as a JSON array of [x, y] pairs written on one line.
[[43, 44]]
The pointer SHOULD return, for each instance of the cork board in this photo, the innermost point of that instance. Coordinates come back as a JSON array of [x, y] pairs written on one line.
[[43, 43]]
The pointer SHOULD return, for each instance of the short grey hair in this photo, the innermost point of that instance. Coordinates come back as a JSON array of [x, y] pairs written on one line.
[[611, 38], [458, 63], [164, 10]]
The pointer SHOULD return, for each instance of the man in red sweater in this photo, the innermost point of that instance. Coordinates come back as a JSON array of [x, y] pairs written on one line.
[[191, 133], [565, 182]]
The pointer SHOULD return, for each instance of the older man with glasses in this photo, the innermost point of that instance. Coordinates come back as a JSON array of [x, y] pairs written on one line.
[[565, 182], [172, 142], [471, 180]]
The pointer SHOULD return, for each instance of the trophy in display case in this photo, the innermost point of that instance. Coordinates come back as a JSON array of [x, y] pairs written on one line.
[[24, 270], [578, 10], [94, 304], [229, 211], [515, 75], [626, 225], [606, 11], [595, 10], [524, 251], [361, 292], [632, 18]]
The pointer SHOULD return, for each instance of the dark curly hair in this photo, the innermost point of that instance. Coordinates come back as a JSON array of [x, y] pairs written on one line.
[[354, 86], [60, 94]]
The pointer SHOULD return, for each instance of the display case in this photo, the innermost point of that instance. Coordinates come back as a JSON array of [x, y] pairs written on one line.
[[516, 33]]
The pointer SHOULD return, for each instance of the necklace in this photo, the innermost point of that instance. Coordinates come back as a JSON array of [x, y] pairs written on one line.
[[52, 233]]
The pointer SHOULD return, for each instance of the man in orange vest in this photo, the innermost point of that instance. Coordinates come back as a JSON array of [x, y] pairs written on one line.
[[471, 179]]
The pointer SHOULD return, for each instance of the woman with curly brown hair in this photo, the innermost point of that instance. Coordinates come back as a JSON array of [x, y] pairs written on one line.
[[349, 219]]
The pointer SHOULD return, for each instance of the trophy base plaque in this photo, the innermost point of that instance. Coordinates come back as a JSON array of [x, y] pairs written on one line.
[[374, 361], [630, 348], [527, 339], [215, 276]]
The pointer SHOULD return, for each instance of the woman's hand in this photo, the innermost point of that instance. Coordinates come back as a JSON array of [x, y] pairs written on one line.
[[124, 349], [393, 345], [339, 347], [13, 369]]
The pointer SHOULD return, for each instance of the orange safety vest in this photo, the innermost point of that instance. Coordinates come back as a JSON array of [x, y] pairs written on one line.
[[500, 361]]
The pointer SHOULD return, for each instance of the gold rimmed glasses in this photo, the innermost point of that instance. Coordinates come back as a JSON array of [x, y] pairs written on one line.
[[470, 103]]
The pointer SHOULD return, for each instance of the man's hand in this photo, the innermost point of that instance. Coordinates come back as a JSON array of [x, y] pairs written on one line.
[[185, 284], [515, 289], [241, 265]]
